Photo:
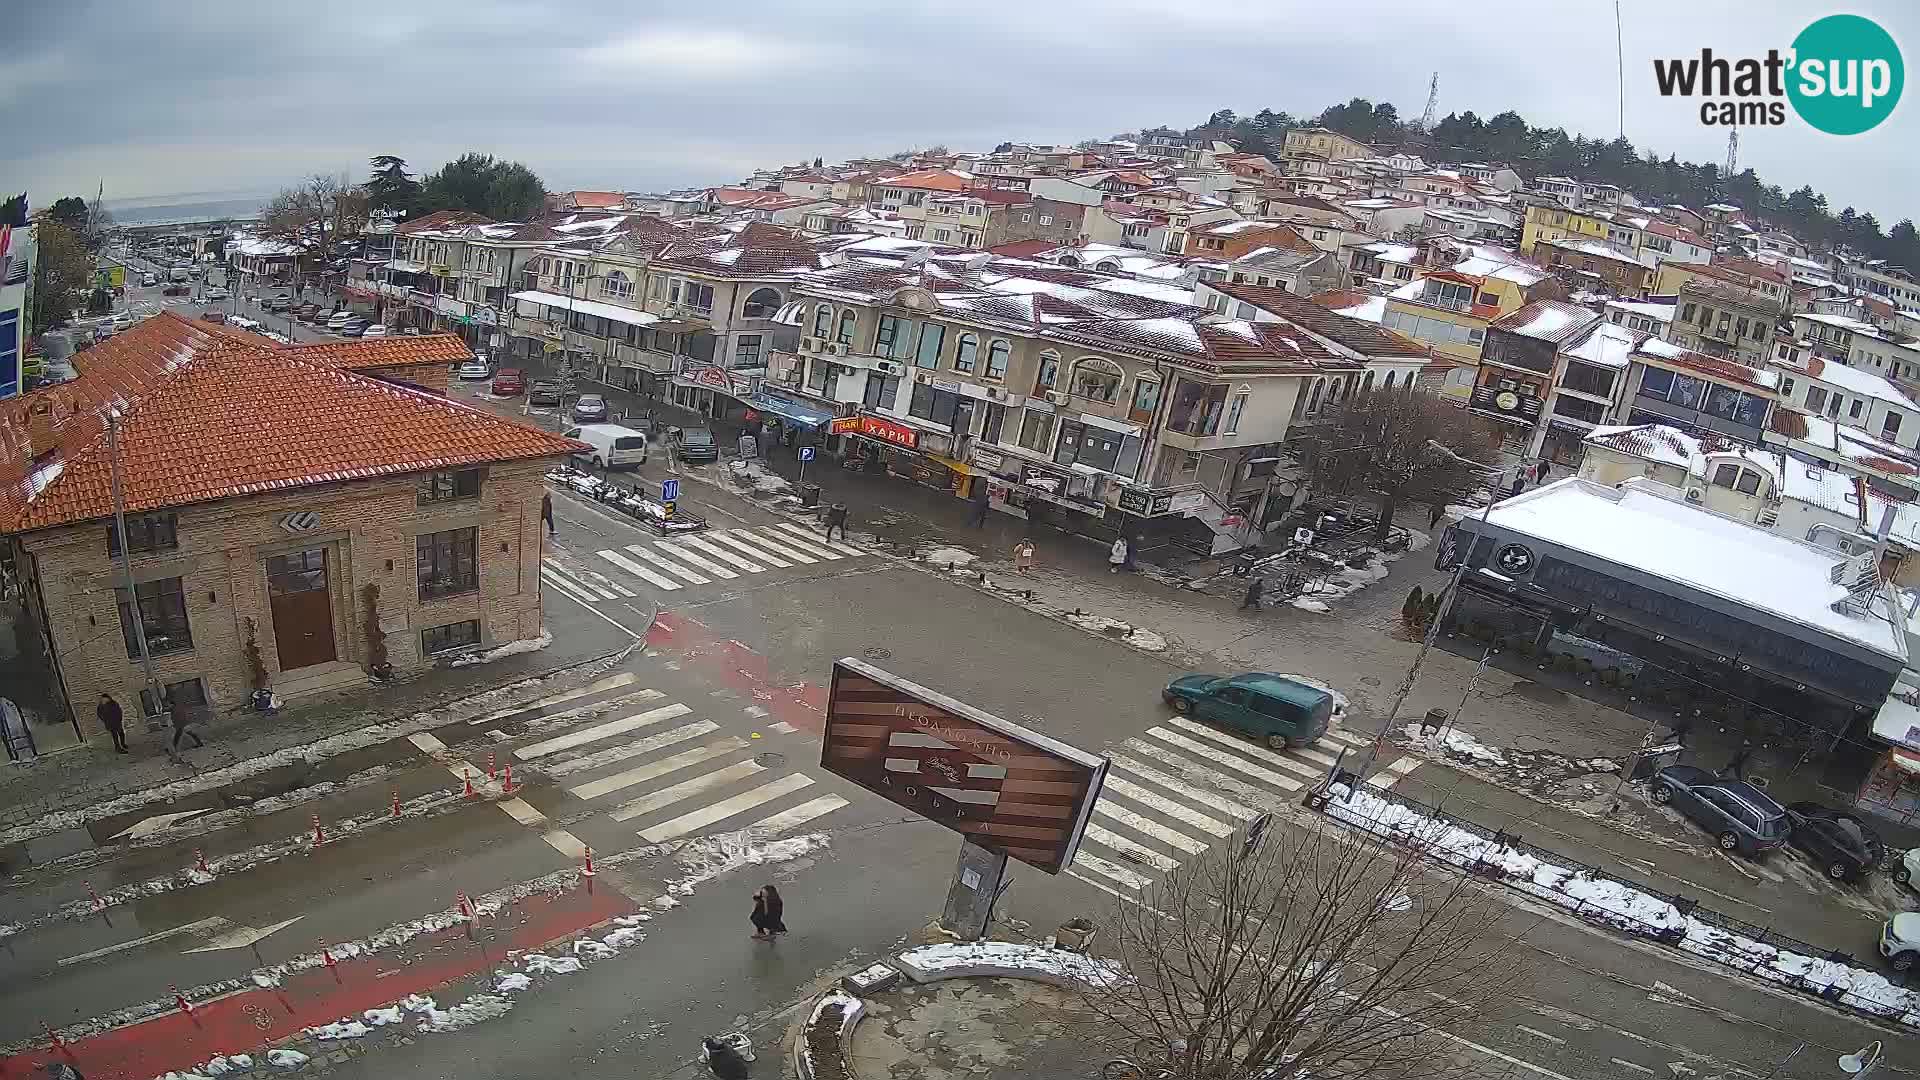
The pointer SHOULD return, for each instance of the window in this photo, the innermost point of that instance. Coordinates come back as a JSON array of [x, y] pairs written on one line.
[[439, 639], [997, 360], [616, 284], [1049, 372], [1749, 482], [1319, 234], [145, 532], [1853, 410], [964, 352], [1244, 311], [1146, 397], [939, 406], [1726, 476], [1588, 379], [933, 337], [881, 390], [1686, 313], [761, 304], [189, 692], [656, 285], [1890, 425], [1025, 218], [1240, 406], [1046, 219], [884, 335], [1097, 379], [1786, 388], [163, 614], [1036, 432], [449, 486], [696, 295], [1816, 399], [447, 565], [1740, 329], [822, 321], [746, 351], [942, 235], [847, 319]]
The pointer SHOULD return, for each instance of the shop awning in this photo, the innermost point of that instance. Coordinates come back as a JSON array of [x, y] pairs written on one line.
[[793, 313], [787, 409], [1120, 426], [1907, 762], [1898, 722], [588, 307]]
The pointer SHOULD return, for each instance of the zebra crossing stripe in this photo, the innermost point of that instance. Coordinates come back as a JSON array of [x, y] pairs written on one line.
[[811, 545], [652, 769], [1193, 794], [639, 571], [1257, 796], [1109, 809], [1315, 756], [648, 745], [601, 731], [1112, 872], [1107, 838], [575, 713], [612, 682], [1164, 805], [1393, 773], [719, 553], [837, 545], [667, 796], [689, 557], [740, 537], [551, 567], [1257, 753], [793, 818], [1272, 779], [719, 537], [560, 584], [1359, 741], [671, 567], [726, 808], [600, 581]]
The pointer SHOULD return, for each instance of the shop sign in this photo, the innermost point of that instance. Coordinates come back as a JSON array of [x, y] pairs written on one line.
[[486, 316], [888, 431], [1181, 502], [1135, 501], [989, 460], [946, 384], [420, 298], [843, 425]]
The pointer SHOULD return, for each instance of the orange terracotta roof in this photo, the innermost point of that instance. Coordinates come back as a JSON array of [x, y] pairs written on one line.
[[444, 219], [384, 352], [212, 415], [929, 180], [598, 199]]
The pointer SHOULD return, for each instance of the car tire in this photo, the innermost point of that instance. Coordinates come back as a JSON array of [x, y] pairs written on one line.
[[1278, 743], [1901, 961], [1839, 871], [1902, 875], [1180, 705], [595, 462], [1729, 841], [1663, 793]]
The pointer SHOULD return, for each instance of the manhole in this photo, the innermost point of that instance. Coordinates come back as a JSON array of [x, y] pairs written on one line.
[[878, 653], [770, 760]]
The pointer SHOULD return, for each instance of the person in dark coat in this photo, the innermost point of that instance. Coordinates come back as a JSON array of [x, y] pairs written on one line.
[[725, 1061], [1736, 766], [1255, 589], [977, 513], [837, 517], [546, 512], [113, 720], [769, 913], [182, 716], [1438, 511]]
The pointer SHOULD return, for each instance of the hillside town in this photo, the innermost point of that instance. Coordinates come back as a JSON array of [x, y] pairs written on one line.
[[1629, 491]]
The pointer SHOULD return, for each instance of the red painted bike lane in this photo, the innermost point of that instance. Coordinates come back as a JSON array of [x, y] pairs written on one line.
[[729, 663], [248, 1021]]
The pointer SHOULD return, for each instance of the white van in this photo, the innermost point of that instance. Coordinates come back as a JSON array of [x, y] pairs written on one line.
[[614, 446]]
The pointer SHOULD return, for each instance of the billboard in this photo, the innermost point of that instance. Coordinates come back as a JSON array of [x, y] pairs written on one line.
[[1006, 788]]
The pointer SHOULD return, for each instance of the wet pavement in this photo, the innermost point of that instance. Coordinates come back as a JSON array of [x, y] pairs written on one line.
[[973, 1029]]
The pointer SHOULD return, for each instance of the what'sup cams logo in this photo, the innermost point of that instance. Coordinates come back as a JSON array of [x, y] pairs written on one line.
[[1843, 76]]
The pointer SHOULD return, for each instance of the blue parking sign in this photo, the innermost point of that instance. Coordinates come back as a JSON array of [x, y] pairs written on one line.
[[806, 453], [669, 490]]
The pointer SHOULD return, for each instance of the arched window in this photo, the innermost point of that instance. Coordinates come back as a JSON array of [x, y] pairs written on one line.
[[761, 304], [1069, 260], [1049, 372], [616, 284], [847, 317], [1107, 266], [964, 351], [1096, 378], [1388, 385], [1146, 398], [1366, 384], [997, 354], [823, 320], [1313, 399]]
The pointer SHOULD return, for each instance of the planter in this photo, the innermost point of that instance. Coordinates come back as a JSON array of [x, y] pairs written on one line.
[[820, 1053]]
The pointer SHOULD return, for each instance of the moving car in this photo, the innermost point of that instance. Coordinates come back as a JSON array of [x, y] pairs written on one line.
[[695, 445], [307, 312], [375, 330], [216, 293], [1842, 845], [276, 302], [1740, 816], [475, 369], [1900, 940], [509, 383], [148, 281], [354, 328], [592, 409], [614, 446], [175, 290], [543, 392], [338, 320], [214, 316], [1279, 710]]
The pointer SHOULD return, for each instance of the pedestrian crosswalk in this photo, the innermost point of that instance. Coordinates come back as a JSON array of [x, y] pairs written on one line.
[[654, 767], [1181, 787], [712, 555]]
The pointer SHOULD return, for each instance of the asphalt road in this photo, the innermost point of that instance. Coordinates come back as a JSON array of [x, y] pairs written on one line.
[[141, 298], [714, 728]]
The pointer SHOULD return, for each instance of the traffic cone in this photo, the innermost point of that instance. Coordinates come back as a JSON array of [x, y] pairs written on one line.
[[466, 909], [396, 804], [326, 956], [467, 774], [588, 872], [506, 785], [98, 904], [319, 834], [493, 771]]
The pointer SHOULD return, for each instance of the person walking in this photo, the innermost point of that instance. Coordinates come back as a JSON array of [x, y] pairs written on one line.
[[546, 511], [1023, 555], [1736, 766], [837, 518], [1256, 588], [977, 513], [769, 913], [113, 720], [1434, 515], [182, 716], [1117, 556]]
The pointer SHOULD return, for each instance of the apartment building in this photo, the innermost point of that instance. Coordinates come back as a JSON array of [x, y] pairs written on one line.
[[1519, 365], [17, 253], [1669, 384], [1322, 144], [1723, 322]]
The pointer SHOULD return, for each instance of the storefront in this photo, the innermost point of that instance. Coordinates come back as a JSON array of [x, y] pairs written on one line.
[[711, 390], [1067, 497]]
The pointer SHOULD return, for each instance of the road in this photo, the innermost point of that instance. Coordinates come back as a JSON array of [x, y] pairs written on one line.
[[148, 299], [658, 764]]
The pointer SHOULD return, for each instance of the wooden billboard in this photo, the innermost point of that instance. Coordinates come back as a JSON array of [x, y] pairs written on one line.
[[1007, 788]]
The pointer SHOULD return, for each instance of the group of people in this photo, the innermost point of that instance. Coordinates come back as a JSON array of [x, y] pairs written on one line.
[[114, 720]]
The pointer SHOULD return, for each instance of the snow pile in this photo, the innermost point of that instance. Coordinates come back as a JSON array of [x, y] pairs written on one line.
[[708, 857], [341, 1029], [1453, 742], [498, 652], [755, 475], [513, 982], [1307, 604], [1146, 640], [226, 1063], [1012, 956], [478, 1008], [591, 949], [623, 937], [949, 557], [286, 1059], [382, 1017], [542, 964]]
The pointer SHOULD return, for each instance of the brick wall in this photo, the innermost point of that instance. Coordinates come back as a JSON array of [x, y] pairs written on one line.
[[369, 529]]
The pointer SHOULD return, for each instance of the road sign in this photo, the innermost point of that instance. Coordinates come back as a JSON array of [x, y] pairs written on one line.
[[806, 453], [669, 490], [1004, 787]]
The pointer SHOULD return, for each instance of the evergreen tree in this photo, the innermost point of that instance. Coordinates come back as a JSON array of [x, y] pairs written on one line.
[[391, 187]]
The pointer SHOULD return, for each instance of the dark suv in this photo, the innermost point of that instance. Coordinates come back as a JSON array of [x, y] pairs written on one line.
[[1740, 816]]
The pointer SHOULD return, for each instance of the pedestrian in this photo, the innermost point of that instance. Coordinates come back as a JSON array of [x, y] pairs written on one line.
[[1737, 764], [837, 517], [724, 1061], [1023, 555], [1438, 511], [1117, 555], [113, 720], [1256, 588], [546, 511], [977, 513], [182, 716], [769, 913]]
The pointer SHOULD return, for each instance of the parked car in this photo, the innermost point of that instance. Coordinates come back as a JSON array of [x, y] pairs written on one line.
[[307, 312], [1843, 846], [175, 290], [1740, 816], [214, 316], [1900, 940], [354, 328], [695, 445], [509, 383], [592, 409], [614, 446], [216, 293], [375, 330], [543, 392], [338, 321], [476, 369], [276, 302], [1279, 710], [148, 281]]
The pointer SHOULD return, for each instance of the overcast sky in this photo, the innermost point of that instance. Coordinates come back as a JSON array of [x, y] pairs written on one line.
[[246, 95]]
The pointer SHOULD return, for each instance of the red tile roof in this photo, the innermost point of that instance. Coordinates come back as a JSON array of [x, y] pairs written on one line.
[[598, 200], [1359, 335], [444, 219], [1022, 249], [209, 414], [384, 352], [928, 180]]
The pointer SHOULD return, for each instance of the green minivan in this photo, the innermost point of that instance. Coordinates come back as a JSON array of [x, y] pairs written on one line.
[[1280, 710]]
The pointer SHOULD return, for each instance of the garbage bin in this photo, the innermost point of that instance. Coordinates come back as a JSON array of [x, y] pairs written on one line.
[[809, 494], [1654, 758]]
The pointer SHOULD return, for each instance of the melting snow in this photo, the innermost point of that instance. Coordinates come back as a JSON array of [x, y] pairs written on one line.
[[947, 956], [1454, 741], [286, 1059], [513, 983], [949, 556], [511, 648]]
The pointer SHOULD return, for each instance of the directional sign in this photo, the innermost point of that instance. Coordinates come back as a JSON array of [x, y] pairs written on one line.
[[242, 936], [158, 823], [806, 453], [670, 490]]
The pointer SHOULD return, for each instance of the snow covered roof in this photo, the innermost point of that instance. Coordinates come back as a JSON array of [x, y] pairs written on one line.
[[1839, 493], [1598, 249], [1391, 252], [244, 244], [1517, 272], [1656, 312], [1228, 228], [1637, 528], [1859, 447], [1546, 320], [1857, 381], [1607, 345], [1655, 442], [1711, 366]]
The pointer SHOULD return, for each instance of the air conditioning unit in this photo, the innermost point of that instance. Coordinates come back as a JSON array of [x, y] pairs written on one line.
[[836, 348], [1058, 397], [994, 393], [1695, 494], [809, 344], [890, 367]]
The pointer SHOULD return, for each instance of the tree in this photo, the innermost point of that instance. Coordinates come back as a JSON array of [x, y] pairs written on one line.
[[62, 273], [14, 210], [70, 211], [391, 187], [1302, 953], [1397, 447], [315, 215], [475, 182]]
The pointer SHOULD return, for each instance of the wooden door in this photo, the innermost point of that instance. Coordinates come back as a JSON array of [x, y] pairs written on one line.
[[302, 608]]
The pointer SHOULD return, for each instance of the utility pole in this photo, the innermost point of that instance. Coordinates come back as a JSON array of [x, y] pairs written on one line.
[[1733, 152], [126, 560], [1433, 102]]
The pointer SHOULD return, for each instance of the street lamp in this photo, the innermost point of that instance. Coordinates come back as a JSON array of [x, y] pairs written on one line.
[[1862, 1061]]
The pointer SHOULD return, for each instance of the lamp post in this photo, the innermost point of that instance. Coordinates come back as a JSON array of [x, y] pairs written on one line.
[[1862, 1061]]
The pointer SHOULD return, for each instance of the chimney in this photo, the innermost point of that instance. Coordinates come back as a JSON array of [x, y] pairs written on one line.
[[42, 432]]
